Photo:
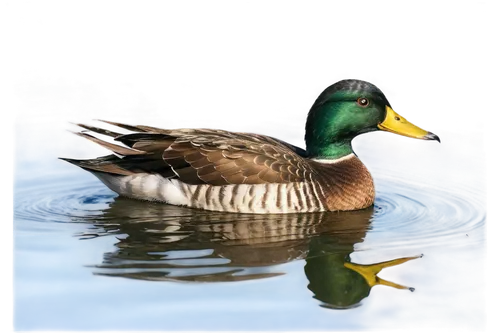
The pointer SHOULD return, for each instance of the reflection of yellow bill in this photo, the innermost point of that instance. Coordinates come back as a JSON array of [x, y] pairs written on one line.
[[369, 272], [394, 123]]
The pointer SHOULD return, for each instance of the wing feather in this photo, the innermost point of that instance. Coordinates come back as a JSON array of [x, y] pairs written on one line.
[[205, 156]]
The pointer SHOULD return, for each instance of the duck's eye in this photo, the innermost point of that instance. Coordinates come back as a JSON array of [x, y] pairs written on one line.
[[362, 101]]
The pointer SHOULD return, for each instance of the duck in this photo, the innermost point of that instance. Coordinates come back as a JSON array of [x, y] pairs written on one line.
[[237, 172]]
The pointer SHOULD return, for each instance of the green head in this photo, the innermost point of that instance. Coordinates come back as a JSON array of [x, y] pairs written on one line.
[[349, 108]]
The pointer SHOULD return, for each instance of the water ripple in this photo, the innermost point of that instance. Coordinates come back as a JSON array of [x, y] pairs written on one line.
[[416, 214], [61, 200], [401, 209]]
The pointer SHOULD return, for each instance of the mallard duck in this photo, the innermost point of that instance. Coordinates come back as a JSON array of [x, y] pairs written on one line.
[[250, 173]]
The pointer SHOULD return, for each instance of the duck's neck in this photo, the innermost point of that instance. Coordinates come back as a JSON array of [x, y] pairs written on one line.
[[330, 151]]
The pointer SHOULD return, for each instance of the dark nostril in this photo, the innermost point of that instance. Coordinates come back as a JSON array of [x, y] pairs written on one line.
[[397, 118]]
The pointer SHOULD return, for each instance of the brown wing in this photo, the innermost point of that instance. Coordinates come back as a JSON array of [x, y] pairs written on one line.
[[204, 156], [219, 160]]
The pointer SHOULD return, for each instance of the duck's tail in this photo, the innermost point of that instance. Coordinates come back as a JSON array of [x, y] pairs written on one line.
[[110, 136], [122, 161]]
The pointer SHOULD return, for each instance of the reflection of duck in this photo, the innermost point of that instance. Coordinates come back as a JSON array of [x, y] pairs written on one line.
[[162, 242], [249, 173]]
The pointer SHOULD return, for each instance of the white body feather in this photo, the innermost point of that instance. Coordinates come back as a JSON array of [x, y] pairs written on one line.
[[298, 197]]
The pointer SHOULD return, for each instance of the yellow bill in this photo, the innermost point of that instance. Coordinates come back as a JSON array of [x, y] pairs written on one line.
[[394, 123], [370, 272]]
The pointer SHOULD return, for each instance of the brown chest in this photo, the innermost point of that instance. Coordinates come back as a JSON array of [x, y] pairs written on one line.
[[345, 185]]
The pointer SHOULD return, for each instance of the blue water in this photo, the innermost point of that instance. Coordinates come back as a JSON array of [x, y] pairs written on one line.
[[86, 259]]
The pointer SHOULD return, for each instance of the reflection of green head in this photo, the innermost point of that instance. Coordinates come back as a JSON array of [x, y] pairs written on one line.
[[336, 281], [330, 281]]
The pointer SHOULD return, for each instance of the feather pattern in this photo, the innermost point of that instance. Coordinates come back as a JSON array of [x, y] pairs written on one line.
[[225, 171], [215, 157]]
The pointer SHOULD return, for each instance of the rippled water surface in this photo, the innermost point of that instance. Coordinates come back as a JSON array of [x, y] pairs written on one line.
[[88, 259]]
